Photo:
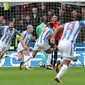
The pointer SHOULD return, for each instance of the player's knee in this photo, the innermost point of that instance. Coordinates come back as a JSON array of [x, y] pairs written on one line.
[[26, 54], [19, 58], [49, 51], [34, 53]]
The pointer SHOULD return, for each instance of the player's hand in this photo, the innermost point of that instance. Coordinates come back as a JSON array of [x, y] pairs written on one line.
[[33, 38], [26, 48], [52, 40]]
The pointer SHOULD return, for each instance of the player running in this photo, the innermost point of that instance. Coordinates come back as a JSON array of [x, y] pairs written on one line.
[[8, 33], [41, 43], [23, 46], [66, 44]]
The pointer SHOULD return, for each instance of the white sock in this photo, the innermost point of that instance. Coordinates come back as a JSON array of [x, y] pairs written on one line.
[[63, 69], [27, 63], [28, 58], [15, 57], [49, 59], [62, 61]]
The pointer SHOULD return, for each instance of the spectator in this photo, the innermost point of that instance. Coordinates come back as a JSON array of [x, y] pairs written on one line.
[[83, 13], [73, 13], [28, 18], [1, 21], [23, 23], [42, 11], [62, 17], [34, 19], [4, 22], [50, 13]]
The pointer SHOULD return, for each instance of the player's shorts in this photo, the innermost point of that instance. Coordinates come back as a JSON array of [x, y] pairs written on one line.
[[20, 48], [67, 49], [4, 46], [41, 46]]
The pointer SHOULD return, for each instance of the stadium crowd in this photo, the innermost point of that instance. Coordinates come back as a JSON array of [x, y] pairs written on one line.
[[30, 13]]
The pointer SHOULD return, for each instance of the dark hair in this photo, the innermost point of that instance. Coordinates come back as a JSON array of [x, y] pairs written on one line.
[[51, 24], [43, 19], [78, 17], [11, 22]]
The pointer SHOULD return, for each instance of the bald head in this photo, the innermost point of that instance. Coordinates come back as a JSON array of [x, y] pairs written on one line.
[[30, 28]]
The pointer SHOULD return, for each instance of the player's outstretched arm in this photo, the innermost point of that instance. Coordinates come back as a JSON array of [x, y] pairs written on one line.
[[57, 30], [17, 32], [52, 40]]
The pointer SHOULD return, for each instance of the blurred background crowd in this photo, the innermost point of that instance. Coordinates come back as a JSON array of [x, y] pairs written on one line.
[[23, 14]]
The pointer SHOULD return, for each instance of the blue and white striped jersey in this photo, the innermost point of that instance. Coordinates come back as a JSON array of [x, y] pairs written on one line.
[[27, 36], [8, 34], [46, 32], [71, 30]]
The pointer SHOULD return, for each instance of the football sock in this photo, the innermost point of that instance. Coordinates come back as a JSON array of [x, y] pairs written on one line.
[[27, 63], [49, 57], [28, 58], [63, 69], [43, 58]]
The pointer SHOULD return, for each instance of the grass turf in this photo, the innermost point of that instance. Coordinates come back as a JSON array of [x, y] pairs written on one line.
[[40, 76]]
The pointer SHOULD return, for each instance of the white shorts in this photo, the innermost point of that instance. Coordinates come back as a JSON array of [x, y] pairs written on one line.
[[67, 49], [20, 48], [4, 46], [41, 46]]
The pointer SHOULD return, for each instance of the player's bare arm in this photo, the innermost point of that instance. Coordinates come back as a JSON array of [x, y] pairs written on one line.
[[52, 40], [22, 41]]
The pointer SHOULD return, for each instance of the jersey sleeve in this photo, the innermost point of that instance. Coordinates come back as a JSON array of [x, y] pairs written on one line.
[[23, 34], [31, 36], [17, 32], [51, 31]]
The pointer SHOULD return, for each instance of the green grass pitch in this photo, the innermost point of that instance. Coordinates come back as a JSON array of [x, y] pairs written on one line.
[[40, 76]]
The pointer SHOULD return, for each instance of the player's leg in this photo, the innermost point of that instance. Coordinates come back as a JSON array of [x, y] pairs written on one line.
[[55, 53], [49, 51], [30, 57], [19, 56], [26, 57], [34, 52], [3, 50], [67, 55], [49, 66], [42, 58], [63, 69]]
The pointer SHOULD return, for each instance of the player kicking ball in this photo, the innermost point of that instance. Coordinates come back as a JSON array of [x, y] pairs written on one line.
[[23, 46], [41, 43], [66, 44]]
